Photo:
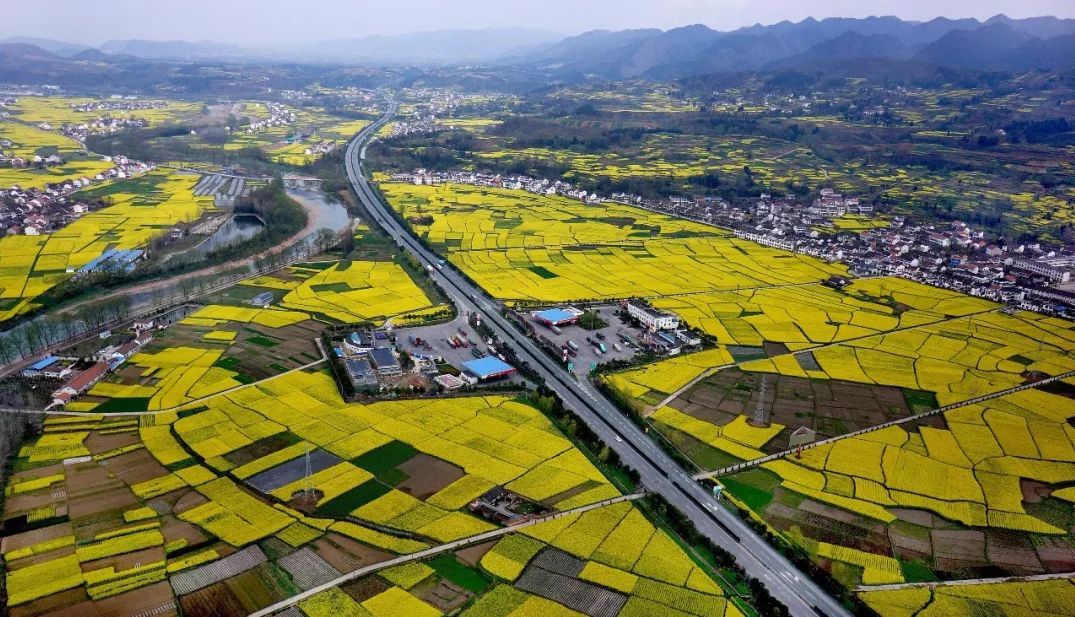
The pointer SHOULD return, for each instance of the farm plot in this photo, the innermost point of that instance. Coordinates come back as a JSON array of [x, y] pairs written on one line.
[[60, 110], [524, 247], [837, 388], [808, 315], [212, 350], [989, 471], [1048, 598], [532, 573], [471, 445], [656, 380], [357, 291], [956, 359], [143, 208], [829, 408], [169, 502]]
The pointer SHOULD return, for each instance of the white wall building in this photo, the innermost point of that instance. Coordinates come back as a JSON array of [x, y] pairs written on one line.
[[651, 317]]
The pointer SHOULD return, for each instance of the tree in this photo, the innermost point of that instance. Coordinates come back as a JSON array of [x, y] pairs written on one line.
[[7, 348], [325, 239]]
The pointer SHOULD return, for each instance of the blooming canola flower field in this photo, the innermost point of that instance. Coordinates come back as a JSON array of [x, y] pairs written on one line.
[[189, 488], [525, 247], [357, 291], [31, 265]]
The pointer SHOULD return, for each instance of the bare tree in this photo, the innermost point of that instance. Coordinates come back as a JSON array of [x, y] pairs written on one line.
[[325, 239], [7, 348]]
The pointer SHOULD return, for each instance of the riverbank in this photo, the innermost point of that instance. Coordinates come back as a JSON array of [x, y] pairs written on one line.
[[320, 213]]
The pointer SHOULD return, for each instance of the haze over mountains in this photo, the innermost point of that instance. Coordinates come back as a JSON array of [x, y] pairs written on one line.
[[999, 43]]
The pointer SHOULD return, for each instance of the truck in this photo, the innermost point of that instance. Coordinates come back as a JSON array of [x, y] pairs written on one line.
[[573, 345]]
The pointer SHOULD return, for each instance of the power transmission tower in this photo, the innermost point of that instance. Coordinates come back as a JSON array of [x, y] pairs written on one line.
[[760, 416]]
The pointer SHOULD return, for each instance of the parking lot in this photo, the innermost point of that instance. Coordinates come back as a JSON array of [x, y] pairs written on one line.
[[437, 336], [588, 353]]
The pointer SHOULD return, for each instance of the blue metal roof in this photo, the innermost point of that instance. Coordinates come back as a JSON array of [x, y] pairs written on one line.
[[113, 259], [43, 362], [487, 367], [555, 315]]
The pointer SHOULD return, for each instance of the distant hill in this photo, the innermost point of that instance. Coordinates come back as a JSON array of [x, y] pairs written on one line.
[[441, 46], [592, 43], [173, 50], [59, 48], [983, 48], [1000, 43], [886, 43], [847, 46], [1056, 53], [24, 51]]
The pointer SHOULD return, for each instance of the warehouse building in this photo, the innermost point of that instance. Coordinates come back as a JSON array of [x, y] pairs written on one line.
[[49, 366]]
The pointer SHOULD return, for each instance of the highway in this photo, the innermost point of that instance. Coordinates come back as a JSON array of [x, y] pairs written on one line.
[[658, 472]]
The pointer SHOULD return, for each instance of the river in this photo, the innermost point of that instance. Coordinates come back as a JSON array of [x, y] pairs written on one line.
[[320, 211], [238, 228]]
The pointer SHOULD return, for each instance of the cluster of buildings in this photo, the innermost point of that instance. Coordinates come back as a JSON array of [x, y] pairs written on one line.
[[320, 148], [18, 162], [114, 261], [279, 115], [952, 255], [369, 359], [418, 124], [34, 211], [79, 380], [101, 125], [372, 362], [542, 186]]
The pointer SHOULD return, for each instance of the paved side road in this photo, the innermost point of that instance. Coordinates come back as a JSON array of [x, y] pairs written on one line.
[[969, 582], [658, 471], [724, 471]]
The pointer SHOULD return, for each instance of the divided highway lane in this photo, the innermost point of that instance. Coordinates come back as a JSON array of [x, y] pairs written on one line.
[[658, 471]]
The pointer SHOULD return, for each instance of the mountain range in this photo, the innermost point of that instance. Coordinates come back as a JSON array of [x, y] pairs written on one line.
[[997, 44]]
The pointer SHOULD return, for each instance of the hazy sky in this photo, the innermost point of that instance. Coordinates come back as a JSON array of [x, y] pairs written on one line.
[[279, 22]]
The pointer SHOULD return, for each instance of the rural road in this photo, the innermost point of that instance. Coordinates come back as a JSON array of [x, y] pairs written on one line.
[[435, 550], [659, 473]]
